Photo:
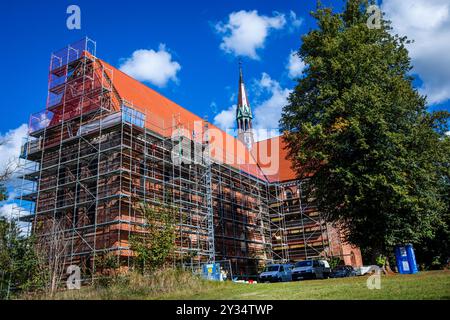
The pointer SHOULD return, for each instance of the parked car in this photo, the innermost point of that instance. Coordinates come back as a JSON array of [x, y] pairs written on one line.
[[276, 273], [343, 272], [311, 269]]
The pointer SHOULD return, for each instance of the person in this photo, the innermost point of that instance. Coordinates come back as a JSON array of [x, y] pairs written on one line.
[[224, 275]]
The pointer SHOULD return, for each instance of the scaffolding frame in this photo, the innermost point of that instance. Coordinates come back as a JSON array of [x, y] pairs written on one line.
[[92, 158], [302, 232]]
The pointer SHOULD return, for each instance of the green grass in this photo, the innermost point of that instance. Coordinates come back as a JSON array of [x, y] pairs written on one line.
[[425, 285], [178, 286]]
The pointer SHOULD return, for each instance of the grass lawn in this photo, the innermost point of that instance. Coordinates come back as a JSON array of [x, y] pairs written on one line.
[[424, 285]]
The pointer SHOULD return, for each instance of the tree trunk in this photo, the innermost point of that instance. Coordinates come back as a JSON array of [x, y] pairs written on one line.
[[387, 268]]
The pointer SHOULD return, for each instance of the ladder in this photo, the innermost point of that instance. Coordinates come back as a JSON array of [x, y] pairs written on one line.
[[209, 201]]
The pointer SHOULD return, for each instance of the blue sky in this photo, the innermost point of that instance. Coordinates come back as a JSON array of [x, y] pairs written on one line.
[[187, 28], [189, 52], [207, 77], [196, 46]]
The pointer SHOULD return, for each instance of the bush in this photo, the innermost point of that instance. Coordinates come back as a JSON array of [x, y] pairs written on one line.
[[135, 285], [155, 244]]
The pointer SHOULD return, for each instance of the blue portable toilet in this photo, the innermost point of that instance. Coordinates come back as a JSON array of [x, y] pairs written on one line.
[[406, 259], [211, 271]]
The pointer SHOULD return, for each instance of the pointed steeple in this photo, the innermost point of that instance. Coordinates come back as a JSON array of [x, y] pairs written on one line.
[[243, 107], [244, 115]]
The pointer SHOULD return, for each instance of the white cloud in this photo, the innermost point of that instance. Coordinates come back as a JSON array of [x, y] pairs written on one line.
[[9, 210], [448, 133], [213, 107], [6, 210], [266, 115], [226, 119], [14, 212], [295, 65], [264, 134], [427, 22], [156, 67], [10, 146], [232, 97], [295, 22], [247, 31]]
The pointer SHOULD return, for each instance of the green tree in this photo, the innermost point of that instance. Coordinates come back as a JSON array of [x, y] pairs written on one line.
[[434, 252], [357, 124], [154, 245]]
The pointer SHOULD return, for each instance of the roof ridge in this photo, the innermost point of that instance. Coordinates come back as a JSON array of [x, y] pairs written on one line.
[[149, 88], [171, 104]]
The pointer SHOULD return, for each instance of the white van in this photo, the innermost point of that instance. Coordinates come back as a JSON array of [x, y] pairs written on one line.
[[276, 273], [311, 269]]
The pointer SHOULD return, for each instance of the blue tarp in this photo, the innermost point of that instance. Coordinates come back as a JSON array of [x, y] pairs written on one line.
[[211, 271]]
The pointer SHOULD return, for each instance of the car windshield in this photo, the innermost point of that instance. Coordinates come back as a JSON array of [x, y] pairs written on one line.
[[340, 268], [272, 268], [303, 264]]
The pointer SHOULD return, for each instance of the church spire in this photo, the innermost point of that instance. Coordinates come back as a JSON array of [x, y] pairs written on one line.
[[244, 114]]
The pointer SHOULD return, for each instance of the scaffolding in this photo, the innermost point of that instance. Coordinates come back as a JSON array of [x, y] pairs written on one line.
[[300, 232], [93, 158]]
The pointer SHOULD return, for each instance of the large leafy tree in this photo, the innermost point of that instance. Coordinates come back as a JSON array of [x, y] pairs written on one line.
[[434, 252], [356, 122]]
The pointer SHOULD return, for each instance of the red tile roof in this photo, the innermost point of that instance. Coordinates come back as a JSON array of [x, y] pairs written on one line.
[[271, 155]]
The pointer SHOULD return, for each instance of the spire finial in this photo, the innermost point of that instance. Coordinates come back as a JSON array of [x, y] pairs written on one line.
[[240, 70], [244, 113]]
